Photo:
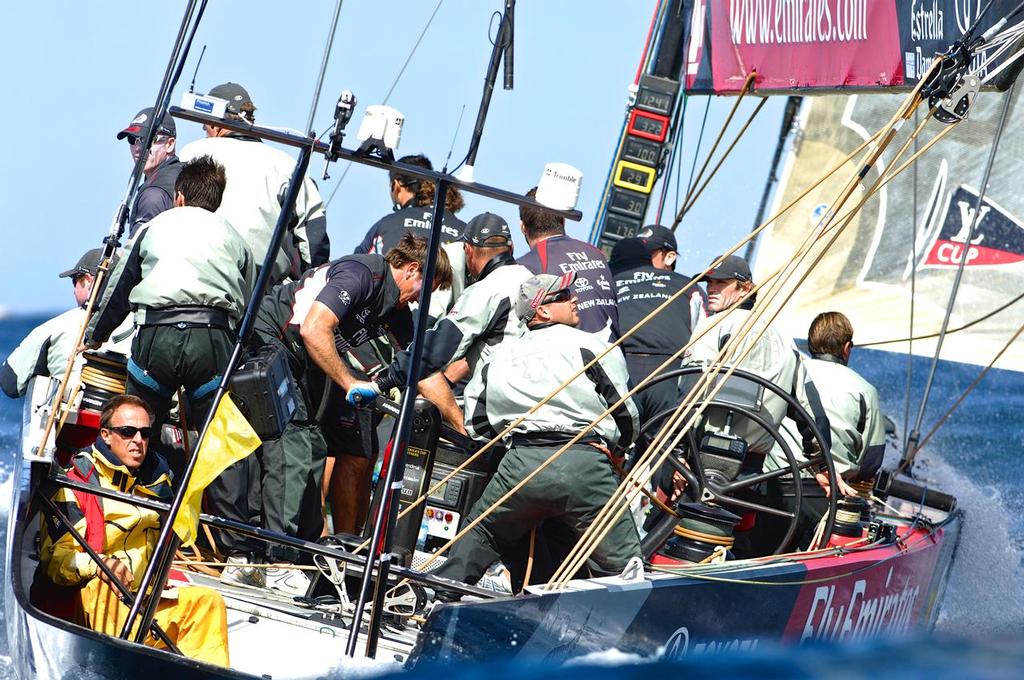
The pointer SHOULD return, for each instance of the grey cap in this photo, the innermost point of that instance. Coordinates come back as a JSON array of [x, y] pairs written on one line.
[[657, 237], [487, 230], [732, 267], [235, 95], [88, 264], [139, 127], [534, 289]]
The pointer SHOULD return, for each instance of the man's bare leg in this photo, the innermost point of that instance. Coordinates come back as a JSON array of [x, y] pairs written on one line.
[[350, 493], [325, 487]]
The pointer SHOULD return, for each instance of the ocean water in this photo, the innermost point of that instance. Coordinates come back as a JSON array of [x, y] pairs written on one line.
[[978, 456]]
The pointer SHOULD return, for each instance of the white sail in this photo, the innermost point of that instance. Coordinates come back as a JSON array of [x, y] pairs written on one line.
[[910, 236]]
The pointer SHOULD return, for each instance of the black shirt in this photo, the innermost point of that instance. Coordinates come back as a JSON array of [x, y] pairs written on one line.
[[643, 289], [389, 230]]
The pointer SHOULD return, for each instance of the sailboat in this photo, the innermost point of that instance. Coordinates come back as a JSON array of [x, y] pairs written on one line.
[[879, 567]]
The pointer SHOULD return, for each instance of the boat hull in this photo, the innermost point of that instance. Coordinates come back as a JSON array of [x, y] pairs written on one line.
[[883, 591]]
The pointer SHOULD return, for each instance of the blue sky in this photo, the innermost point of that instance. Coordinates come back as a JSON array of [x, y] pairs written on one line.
[[76, 73]]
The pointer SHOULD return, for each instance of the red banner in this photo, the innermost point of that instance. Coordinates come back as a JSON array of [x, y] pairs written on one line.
[[795, 44]]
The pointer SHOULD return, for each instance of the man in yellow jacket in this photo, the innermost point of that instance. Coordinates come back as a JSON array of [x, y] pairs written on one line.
[[71, 584]]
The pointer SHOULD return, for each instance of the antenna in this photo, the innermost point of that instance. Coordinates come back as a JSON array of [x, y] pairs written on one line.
[[192, 85], [454, 137]]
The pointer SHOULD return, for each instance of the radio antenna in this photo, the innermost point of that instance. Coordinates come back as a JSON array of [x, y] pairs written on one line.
[[454, 137], [192, 85]]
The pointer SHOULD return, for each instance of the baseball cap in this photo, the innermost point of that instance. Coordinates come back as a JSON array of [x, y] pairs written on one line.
[[534, 289], [656, 237], [139, 127], [487, 230], [235, 95], [628, 253], [88, 264], [732, 267]]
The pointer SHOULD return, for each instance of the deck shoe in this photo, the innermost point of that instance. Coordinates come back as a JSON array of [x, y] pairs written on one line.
[[288, 580], [239, 573]]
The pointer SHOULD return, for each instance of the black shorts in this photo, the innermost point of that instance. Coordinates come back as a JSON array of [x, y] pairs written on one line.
[[351, 432]]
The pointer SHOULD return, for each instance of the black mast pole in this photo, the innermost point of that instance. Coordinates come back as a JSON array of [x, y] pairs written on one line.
[[167, 540], [502, 44], [387, 509]]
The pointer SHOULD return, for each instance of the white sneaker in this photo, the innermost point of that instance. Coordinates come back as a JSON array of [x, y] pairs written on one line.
[[496, 579], [287, 580], [243, 574]]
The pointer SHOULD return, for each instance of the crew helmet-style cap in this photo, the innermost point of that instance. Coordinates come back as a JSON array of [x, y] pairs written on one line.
[[139, 127], [88, 264], [487, 230], [732, 267], [235, 95], [657, 237], [534, 289]]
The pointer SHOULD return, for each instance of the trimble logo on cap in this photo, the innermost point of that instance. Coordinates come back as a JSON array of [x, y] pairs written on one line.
[[140, 119]]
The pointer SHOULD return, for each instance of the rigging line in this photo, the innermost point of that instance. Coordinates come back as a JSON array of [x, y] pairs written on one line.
[[718, 140], [394, 84], [970, 388], [696, 152], [911, 449], [950, 331], [662, 27], [913, 290], [594, 533], [714, 171], [469, 461], [323, 68], [673, 154]]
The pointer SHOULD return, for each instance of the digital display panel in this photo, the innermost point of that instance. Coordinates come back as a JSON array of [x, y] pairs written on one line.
[[641, 151], [439, 494], [652, 100], [648, 125], [628, 202], [621, 226], [634, 176]]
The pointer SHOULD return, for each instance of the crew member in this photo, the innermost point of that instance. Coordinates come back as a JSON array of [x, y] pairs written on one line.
[[552, 252], [69, 584], [850, 401], [773, 357], [642, 287], [258, 177], [573, 488], [331, 309], [664, 251], [161, 170], [187, 275], [45, 350], [412, 199], [483, 315]]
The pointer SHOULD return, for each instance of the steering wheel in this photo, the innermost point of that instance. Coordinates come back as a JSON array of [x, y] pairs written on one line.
[[701, 488]]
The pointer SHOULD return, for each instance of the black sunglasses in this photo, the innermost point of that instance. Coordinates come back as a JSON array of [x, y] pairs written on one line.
[[563, 295], [129, 431]]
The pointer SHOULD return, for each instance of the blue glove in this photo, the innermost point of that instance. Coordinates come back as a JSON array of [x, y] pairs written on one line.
[[362, 393]]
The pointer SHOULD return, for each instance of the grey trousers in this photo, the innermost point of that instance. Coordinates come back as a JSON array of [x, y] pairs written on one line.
[[571, 490]]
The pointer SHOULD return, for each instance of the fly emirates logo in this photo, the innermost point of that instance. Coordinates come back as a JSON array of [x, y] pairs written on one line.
[[866, 612]]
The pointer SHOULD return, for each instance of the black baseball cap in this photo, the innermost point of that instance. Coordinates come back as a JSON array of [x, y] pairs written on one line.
[[657, 237], [732, 267], [139, 127], [235, 95], [487, 230], [88, 264]]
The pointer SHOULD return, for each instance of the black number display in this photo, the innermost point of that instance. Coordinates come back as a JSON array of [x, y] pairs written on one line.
[[649, 125], [621, 226], [641, 151], [628, 203], [634, 176], [659, 102]]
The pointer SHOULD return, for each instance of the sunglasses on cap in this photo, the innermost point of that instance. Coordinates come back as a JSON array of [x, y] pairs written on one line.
[[563, 295], [129, 431]]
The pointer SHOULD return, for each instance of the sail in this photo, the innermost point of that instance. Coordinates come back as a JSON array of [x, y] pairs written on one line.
[[903, 247]]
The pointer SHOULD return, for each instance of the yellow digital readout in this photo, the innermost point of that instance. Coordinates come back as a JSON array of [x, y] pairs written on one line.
[[634, 176]]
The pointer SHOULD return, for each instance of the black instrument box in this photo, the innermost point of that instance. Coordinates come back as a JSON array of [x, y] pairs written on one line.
[[263, 389]]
